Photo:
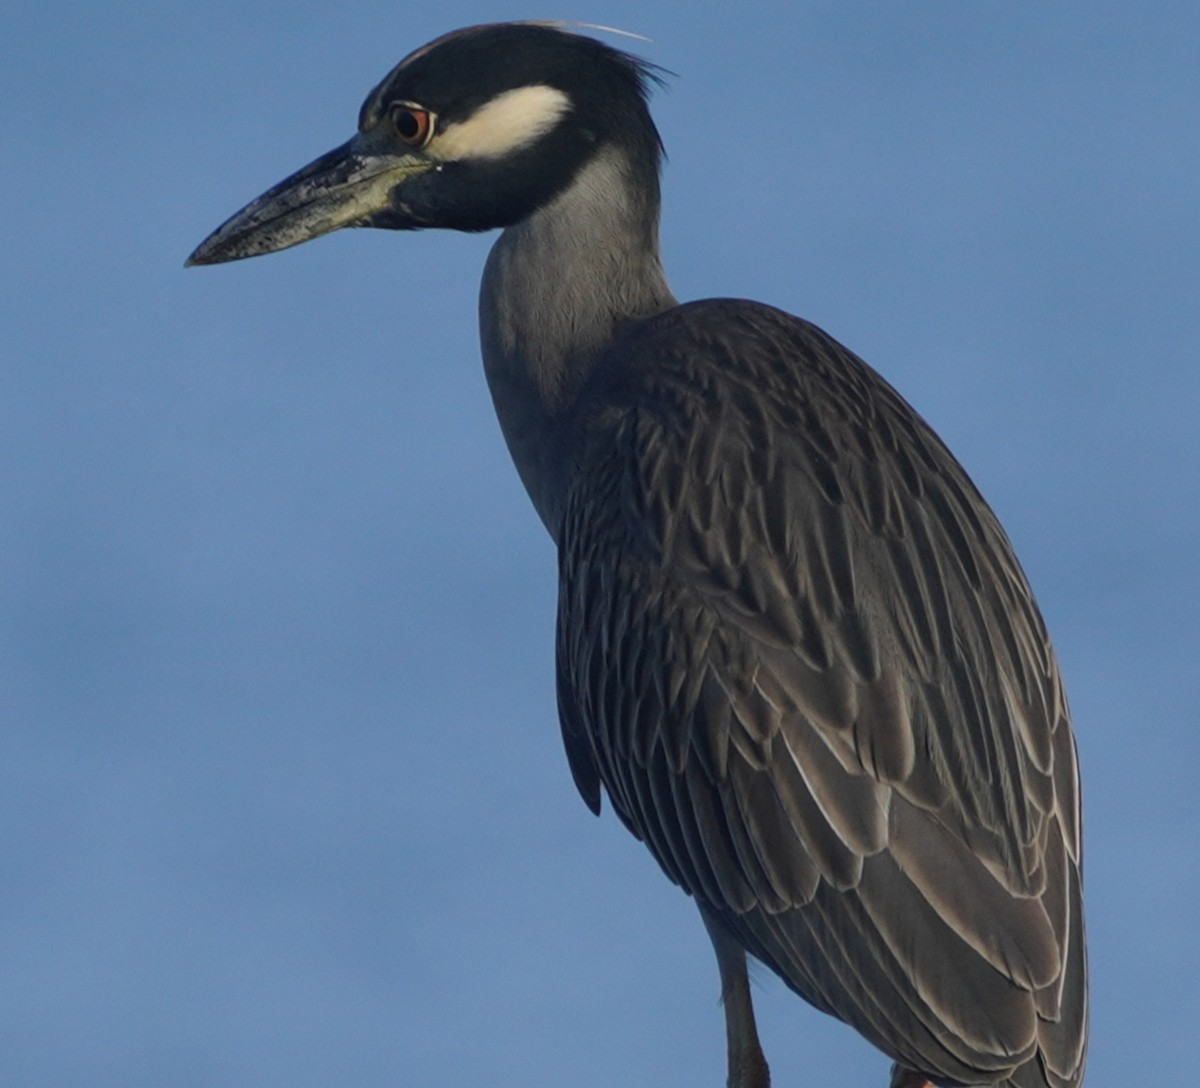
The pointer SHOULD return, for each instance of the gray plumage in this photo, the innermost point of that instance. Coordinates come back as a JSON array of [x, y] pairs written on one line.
[[794, 647]]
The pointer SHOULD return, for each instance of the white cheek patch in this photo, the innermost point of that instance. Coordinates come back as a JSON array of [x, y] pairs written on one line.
[[507, 123]]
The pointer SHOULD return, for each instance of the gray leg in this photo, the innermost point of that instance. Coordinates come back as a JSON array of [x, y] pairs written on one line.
[[906, 1078], [747, 1066]]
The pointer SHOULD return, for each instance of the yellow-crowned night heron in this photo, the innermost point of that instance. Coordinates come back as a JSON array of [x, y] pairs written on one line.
[[794, 644]]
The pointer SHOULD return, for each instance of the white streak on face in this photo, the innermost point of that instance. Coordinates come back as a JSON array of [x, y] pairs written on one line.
[[507, 123]]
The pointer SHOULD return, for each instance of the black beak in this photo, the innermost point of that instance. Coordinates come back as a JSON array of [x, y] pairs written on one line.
[[342, 188]]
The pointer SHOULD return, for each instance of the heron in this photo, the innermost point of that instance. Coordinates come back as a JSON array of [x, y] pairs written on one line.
[[794, 646]]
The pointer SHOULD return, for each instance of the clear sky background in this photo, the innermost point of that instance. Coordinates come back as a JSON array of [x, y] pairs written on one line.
[[282, 798]]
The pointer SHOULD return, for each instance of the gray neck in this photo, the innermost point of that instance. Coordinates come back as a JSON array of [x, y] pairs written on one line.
[[554, 288]]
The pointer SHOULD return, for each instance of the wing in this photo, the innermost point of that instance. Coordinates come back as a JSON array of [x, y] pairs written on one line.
[[797, 650]]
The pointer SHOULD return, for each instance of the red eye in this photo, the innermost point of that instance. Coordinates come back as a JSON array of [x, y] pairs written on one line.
[[413, 124]]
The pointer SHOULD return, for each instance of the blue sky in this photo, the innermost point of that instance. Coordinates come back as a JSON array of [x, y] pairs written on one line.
[[282, 800]]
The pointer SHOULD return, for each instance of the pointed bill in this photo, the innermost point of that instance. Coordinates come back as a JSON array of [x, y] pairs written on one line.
[[342, 188]]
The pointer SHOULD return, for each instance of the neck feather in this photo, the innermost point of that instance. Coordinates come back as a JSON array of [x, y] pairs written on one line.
[[555, 287]]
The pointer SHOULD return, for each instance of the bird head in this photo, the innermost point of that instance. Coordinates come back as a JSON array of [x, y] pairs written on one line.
[[474, 131]]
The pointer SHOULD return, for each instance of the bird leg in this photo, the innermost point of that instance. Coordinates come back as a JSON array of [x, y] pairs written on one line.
[[906, 1078], [747, 1066]]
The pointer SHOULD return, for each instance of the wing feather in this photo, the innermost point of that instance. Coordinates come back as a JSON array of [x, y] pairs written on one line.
[[798, 652]]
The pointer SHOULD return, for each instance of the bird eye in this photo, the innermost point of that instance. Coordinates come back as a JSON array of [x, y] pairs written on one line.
[[413, 124]]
